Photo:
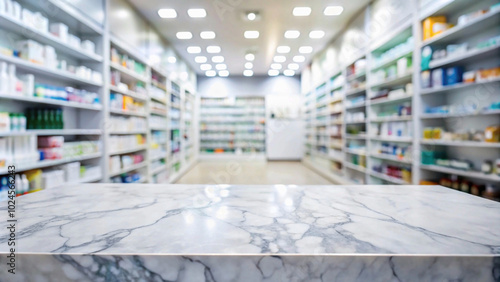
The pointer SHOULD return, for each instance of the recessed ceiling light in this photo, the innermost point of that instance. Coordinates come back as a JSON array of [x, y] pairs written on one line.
[[248, 65], [213, 49], [210, 73], [273, 72], [317, 34], [194, 49], [289, 73], [283, 49], [301, 11], [299, 59], [172, 59], [250, 57], [251, 16], [248, 73], [197, 13], [276, 66], [167, 13], [207, 35], [293, 66], [305, 50], [251, 34], [218, 59], [292, 34], [224, 73], [200, 59], [206, 67], [221, 67], [333, 10], [279, 59], [184, 35]]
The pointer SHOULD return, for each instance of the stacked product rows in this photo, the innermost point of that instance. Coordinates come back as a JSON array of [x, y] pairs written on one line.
[[421, 106], [61, 121]]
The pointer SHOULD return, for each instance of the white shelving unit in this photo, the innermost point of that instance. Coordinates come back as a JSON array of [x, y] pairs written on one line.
[[481, 93], [232, 127]]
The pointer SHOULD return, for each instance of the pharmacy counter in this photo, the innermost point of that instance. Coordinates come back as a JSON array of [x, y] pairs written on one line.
[[253, 233]]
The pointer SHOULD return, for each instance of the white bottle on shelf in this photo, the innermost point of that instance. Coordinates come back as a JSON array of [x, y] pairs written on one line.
[[4, 80], [12, 80]]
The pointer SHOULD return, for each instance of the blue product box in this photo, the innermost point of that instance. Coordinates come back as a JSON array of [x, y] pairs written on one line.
[[454, 75]]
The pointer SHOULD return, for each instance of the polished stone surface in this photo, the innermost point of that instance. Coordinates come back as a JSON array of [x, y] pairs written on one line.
[[225, 233]]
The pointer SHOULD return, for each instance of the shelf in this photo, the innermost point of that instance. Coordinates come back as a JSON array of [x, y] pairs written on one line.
[[48, 163], [159, 169], [47, 72], [128, 151], [355, 76], [466, 58], [480, 23], [395, 118], [130, 132], [388, 178], [390, 100], [335, 159], [126, 113], [128, 169], [356, 106], [158, 128], [390, 158], [394, 81], [356, 122], [129, 93], [159, 113], [357, 137], [355, 152], [461, 143], [158, 157], [393, 61], [471, 174], [54, 102], [84, 180], [457, 86], [355, 167], [51, 132], [392, 139], [355, 91], [13, 25], [128, 73], [458, 115]]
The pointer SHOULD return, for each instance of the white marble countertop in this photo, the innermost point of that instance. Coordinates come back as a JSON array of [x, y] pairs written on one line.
[[286, 220]]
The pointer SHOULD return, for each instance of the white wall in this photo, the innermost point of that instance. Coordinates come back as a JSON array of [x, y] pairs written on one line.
[[248, 86]]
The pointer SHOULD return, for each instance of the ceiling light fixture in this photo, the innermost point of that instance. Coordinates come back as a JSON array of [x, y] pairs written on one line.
[[299, 59], [279, 59], [305, 50], [273, 72], [194, 49], [184, 35], [206, 67], [317, 34], [283, 49], [248, 73], [218, 59], [200, 59], [333, 10], [213, 49], [207, 35], [276, 66], [251, 34], [167, 13], [210, 73], [301, 11], [293, 66], [197, 13], [249, 57], [289, 73], [221, 67], [248, 65], [224, 73], [251, 16], [172, 60], [292, 34]]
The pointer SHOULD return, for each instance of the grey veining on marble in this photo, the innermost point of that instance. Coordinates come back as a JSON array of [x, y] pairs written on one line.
[[256, 233]]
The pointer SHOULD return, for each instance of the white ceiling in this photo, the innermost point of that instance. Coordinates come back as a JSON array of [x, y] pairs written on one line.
[[226, 20]]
